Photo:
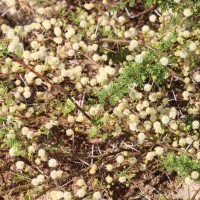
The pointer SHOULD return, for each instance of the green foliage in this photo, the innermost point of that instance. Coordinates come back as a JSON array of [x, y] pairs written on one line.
[[182, 164], [76, 16], [131, 3], [3, 90], [19, 52], [2, 119], [19, 31], [92, 101], [139, 73], [40, 2], [122, 4], [69, 107], [166, 45], [106, 33], [105, 135], [3, 49], [166, 4], [93, 131], [162, 197], [19, 178], [163, 4], [133, 73], [118, 56], [13, 142], [9, 101], [66, 107], [123, 173], [62, 12], [98, 121], [3, 132], [44, 131]]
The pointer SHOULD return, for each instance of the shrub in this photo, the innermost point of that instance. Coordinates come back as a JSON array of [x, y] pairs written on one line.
[[94, 96]]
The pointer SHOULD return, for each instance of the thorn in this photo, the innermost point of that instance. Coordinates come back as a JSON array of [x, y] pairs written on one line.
[[189, 146], [156, 11], [174, 95]]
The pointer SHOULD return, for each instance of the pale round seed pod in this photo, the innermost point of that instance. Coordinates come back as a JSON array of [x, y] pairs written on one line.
[[120, 159], [109, 167], [52, 163], [80, 193], [195, 175], [122, 179], [109, 179], [20, 165]]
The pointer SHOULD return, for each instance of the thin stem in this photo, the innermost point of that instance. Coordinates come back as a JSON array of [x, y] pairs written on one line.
[[195, 194], [115, 40]]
